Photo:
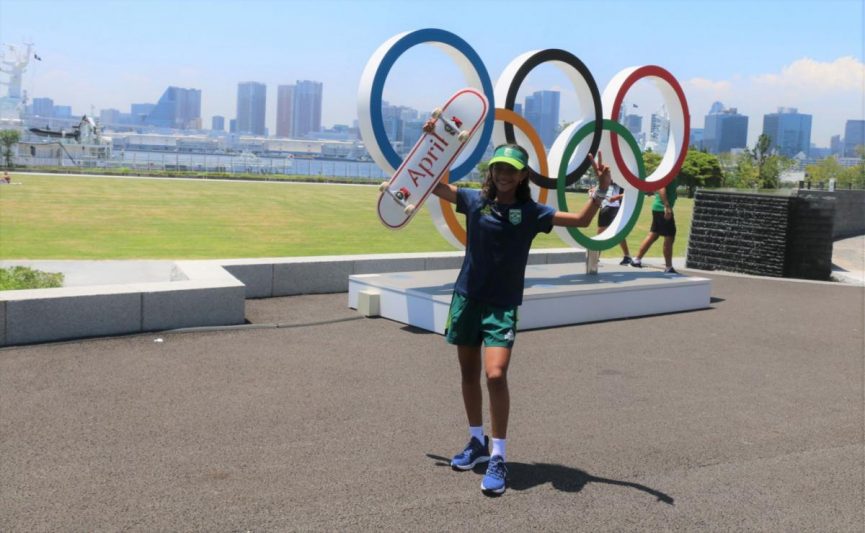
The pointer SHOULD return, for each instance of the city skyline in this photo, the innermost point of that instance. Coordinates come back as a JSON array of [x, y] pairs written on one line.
[[734, 52]]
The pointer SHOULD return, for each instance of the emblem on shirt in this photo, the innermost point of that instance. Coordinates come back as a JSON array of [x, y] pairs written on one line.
[[515, 216]]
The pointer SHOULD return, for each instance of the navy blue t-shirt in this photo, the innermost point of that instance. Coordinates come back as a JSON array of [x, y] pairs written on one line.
[[497, 248]]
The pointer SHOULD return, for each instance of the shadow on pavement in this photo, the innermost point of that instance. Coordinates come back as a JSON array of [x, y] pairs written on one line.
[[523, 476]]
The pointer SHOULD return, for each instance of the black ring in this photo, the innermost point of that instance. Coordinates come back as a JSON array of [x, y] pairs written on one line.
[[543, 56]]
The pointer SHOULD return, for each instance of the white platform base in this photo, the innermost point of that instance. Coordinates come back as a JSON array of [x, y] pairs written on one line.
[[555, 295]]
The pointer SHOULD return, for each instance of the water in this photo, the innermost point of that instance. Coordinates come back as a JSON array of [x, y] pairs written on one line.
[[248, 164], [222, 163]]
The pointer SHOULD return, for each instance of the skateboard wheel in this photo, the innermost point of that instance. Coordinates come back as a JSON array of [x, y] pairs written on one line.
[[382, 186], [437, 112], [409, 209], [463, 136]]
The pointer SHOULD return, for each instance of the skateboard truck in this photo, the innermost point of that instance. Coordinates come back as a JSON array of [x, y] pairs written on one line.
[[451, 126], [400, 196]]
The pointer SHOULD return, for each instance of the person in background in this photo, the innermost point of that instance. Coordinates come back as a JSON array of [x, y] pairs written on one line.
[[663, 225], [609, 209]]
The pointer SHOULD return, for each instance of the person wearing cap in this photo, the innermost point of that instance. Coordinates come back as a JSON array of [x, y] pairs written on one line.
[[502, 219]]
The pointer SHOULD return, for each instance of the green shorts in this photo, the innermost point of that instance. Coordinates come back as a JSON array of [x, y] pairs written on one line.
[[471, 323]]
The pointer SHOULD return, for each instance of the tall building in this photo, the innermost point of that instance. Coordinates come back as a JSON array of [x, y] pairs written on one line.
[[43, 107], [177, 108], [393, 125], [251, 105], [307, 108], [138, 112], [634, 124], [298, 109], [854, 135], [695, 138], [542, 112], [789, 131], [217, 123], [659, 131], [110, 116], [836, 145], [724, 130], [284, 110]]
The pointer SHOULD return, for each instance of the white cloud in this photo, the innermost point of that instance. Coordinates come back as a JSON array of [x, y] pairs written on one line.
[[719, 88], [832, 92], [843, 74]]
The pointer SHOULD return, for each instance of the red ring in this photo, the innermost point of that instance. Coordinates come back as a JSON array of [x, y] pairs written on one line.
[[644, 72]]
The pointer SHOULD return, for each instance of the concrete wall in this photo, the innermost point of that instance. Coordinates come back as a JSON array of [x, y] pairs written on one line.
[[202, 293], [43, 315], [267, 278], [849, 218]]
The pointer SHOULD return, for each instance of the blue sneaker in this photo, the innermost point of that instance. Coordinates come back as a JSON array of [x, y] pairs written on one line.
[[496, 479], [474, 453]]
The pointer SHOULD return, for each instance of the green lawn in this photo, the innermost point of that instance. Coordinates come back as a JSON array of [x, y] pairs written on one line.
[[63, 217]]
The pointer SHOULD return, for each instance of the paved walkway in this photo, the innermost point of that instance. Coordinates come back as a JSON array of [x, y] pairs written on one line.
[[745, 416]]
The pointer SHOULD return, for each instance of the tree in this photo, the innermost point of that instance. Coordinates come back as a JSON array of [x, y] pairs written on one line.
[[824, 170], [8, 138], [768, 166], [700, 169], [747, 176], [729, 163], [854, 176], [651, 160], [761, 151]]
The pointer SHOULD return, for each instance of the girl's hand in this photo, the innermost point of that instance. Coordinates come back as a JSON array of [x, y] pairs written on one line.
[[602, 172]]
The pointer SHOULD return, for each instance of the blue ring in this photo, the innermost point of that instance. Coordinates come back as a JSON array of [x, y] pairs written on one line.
[[375, 98]]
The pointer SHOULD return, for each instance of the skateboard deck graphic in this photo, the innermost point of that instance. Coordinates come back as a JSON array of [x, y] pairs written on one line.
[[432, 156]]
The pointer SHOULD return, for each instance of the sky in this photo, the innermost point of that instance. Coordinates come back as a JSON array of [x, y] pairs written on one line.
[[754, 55]]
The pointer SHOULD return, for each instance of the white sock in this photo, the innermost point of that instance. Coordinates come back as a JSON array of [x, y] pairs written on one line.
[[499, 448], [477, 432]]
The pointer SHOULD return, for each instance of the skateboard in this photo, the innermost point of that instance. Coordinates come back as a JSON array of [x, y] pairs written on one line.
[[431, 157]]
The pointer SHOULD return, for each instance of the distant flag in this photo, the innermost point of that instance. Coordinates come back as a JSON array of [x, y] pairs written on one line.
[[36, 57]]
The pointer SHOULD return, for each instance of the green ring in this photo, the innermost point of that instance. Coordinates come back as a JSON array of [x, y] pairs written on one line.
[[582, 133]]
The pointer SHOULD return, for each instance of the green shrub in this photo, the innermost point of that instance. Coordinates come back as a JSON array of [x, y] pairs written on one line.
[[16, 278]]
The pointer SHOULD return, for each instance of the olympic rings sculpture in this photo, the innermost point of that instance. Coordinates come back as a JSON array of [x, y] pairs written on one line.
[[568, 158]]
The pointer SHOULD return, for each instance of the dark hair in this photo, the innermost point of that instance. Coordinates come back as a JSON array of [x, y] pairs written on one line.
[[523, 192]]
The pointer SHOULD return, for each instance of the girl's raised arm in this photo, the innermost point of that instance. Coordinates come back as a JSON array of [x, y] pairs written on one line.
[[446, 192], [596, 196]]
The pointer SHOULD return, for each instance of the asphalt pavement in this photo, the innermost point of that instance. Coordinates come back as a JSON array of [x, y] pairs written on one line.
[[749, 415]]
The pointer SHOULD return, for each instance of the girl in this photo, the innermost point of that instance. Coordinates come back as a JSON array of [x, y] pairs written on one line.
[[501, 221]]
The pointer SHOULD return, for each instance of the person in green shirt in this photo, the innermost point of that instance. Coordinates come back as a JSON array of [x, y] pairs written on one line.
[[663, 225]]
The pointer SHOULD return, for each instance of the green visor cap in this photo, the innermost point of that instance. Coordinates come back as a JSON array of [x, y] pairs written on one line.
[[511, 156]]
